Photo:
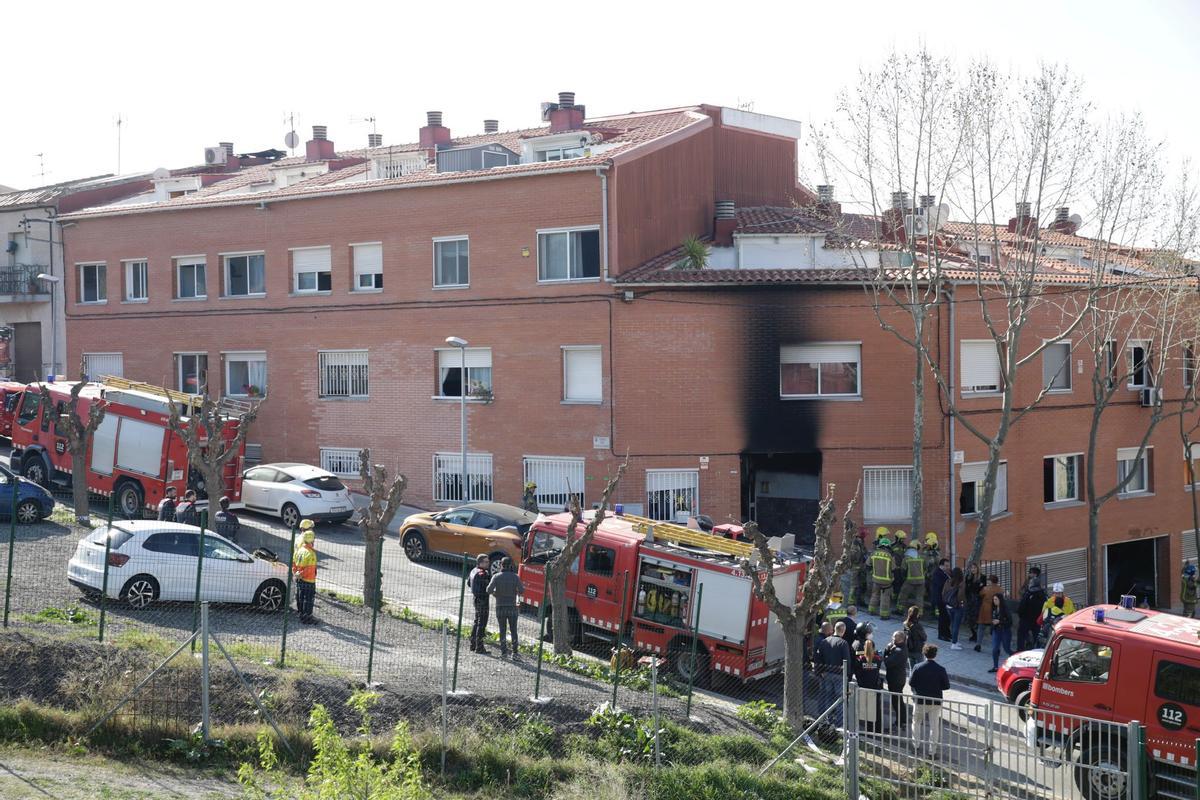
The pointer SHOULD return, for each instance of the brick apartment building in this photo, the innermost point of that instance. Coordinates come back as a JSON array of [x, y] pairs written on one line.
[[332, 280]]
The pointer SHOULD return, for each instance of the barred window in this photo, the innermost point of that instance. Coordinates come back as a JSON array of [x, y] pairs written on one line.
[[340, 461], [887, 493], [448, 477], [556, 479], [343, 373]]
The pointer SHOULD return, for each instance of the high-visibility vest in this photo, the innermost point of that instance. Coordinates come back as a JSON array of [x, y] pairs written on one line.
[[916, 568], [305, 564], [881, 566]]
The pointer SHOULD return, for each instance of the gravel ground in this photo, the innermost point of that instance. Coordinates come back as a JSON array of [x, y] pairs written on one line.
[[40, 774]]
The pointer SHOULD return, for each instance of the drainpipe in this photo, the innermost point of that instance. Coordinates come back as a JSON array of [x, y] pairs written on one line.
[[952, 529], [603, 222]]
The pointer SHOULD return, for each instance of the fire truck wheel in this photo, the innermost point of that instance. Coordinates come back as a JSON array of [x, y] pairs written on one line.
[[1022, 704], [130, 499], [140, 591], [34, 468], [1100, 773], [414, 546], [680, 657], [290, 516], [28, 512], [269, 596]]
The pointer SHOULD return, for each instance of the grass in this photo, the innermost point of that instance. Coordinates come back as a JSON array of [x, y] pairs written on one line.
[[71, 615]]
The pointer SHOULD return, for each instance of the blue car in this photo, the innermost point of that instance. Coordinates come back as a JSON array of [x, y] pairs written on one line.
[[33, 504]]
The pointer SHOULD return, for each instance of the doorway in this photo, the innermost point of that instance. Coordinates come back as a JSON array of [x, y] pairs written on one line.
[[1138, 567], [783, 492], [27, 351]]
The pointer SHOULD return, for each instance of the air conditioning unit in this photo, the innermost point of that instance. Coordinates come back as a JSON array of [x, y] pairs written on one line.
[[1151, 397], [915, 225], [214, 155]]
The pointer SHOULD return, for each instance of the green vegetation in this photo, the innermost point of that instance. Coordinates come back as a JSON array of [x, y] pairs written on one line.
[[71, 615], [765, 716]]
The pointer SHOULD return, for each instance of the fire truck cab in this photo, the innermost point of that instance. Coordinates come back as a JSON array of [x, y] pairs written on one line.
[[1120, 665], [643, 578], [133, 454], [10, 398]]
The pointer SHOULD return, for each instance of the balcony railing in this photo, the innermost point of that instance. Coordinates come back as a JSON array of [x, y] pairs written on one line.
[[21, 280]]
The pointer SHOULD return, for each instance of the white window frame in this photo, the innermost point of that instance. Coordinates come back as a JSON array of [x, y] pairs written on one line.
[[95, 374], [448, 464], [100, 282], [477, 350], [901, 482], [179, 357], [657, 480], [567, 476], [576, 229], [999, 500], [856, 394], [1195, 461], [1127, 454], [559, 153], [567, 351], [1066, 368], [980, 390], [225, 257], [132, 266], [1076, 459], [357, 383], [227, 359], [199, 266], [316, 273], [334, 460], [1147, 377], [442, 240], [360, 273]]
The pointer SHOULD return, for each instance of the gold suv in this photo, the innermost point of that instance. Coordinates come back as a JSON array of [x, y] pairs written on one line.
[[492, 529]]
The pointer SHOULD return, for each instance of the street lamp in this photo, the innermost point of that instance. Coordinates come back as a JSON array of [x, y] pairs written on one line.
[[461, 344], [52, 279]]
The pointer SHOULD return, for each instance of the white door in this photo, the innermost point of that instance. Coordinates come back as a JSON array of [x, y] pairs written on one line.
[[226, 579], [256, 487], [171, 558]]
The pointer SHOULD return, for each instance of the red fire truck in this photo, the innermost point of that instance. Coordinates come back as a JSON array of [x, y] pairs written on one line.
[[133, 454], [10, 397], [666, 565]]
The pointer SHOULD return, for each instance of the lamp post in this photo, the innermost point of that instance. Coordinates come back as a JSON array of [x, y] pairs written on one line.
[[52, 280], [461, 344]]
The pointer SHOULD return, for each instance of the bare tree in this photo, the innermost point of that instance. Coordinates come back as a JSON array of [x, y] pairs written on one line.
[[820, 579], [382, 506], [202, 428], [68, 422], [558, 568]]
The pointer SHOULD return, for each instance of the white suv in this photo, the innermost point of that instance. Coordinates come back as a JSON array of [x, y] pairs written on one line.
[[296, 491]]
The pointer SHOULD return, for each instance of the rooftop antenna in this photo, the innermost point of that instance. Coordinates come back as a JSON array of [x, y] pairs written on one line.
[[41, 157], [290, 138], [370, 119], [120, 124], [745, 105]]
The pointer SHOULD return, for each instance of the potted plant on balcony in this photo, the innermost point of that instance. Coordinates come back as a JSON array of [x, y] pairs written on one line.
[[478, 391]]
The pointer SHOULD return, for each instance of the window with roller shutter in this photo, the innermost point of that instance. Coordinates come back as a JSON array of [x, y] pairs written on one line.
[[583, 375], [311, 270], [970, 500], [1068, 567], [479, 372], [97, 365], [368, 266], [825, 369], [980, 368]]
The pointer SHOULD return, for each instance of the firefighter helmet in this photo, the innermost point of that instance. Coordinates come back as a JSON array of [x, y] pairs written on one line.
[[1189, 570], [931, 539], [880, 533], [901, 536], [310, 536], [884, 542], [530, 486], [307, 525]]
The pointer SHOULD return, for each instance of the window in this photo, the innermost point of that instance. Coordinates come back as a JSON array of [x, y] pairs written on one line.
[[93, 279], [1137, 469], [190, 281], [545, 545], [368, 266], [344, 373], [448, 477], [246, 374], [672, 494], [819, 370], [176, 544], [1081, 662], [1060, 478], [214, 548], [340, 460], [451, 262], [569, 255], [1177, 682], [29, 407], [1138, 363], [479, 372], [136, 275], [98, 364], [583, 380], [980, 367], [1056, 367], [311, 271], [887, 493], [1191, 461], [559, 153], [557, 479], [970, 499], [599, 560], [192, 372], [245, 275], [1189, 365]]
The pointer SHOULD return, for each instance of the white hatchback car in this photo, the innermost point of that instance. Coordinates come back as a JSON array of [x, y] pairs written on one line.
[[150, 560], [295, 492]]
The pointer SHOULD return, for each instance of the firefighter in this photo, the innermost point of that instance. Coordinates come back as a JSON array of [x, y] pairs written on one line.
[[852, 569], [166, 506], [931, 554], [304, 566], [529, 500], [1187, 590], [912, 593], [881, 579], [899, 546]]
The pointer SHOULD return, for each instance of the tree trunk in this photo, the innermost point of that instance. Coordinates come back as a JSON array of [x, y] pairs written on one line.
[[372, 551], [560, 614], [79, 491], [793, 672], [214, 483], [1093, 552], [918, 484]]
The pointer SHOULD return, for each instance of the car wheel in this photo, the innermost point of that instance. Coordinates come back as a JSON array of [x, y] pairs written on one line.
[[1017, 689], [130, 500], [414, 546], [290, 516], [496, 559], [270, 596], [140, 591], [28, 512], [1100, 773], [1022, 704], [680, 660], [34, 468]]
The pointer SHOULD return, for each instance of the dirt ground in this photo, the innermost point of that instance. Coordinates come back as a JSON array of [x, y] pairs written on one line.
[[44, 774]]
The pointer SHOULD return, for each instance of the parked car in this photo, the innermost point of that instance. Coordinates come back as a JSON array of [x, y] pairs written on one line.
[[1015, 677], [34, 503], [295, 492], [151, 561], [492, 529]]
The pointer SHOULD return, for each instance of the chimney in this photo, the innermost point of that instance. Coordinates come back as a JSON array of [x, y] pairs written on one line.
[[900, 202], [927, 200], [491, 126], [1063, 223], [434, 135], [825, 204], [374, 140], [228, 148], [319, 148], [724, 223], [1022, 222], [566, 116], [893, 218]]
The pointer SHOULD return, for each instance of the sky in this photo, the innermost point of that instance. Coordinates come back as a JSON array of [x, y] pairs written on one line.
[[184, 76]]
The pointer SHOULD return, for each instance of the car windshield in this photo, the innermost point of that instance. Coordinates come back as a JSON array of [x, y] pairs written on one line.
[[116, 537], [545, 545], [326, 483]]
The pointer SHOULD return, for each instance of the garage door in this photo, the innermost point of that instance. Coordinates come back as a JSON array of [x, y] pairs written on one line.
[[1068, 567]]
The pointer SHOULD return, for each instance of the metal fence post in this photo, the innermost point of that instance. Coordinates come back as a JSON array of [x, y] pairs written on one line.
[[1197, 761], [104, 579], [204, 674], [375, 609], [199, 572], [654, 703], [989, 744], [287, 600], [445, 693], [462, 594], [616, 662], [695, 641], [850, 740], [1136, 755], [12, 541]]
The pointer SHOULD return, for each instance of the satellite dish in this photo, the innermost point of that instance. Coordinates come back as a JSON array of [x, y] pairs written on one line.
[[1075, 220], [291, 139], [937, 217], [160, 173]]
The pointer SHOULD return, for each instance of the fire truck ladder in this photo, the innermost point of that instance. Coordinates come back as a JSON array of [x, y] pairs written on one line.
[[181, 398], [680, 534]]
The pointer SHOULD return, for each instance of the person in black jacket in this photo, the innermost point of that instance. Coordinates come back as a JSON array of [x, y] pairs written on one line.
[[895, 668], [225, 522], [1029, 607], [940, 576], [481, 576], [166, 510], [928, 681], [851, 625]]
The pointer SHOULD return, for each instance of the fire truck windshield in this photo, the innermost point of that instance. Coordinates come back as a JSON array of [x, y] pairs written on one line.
[[545, 546], [29, 408]]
